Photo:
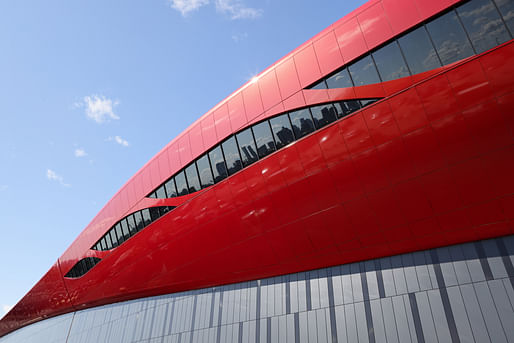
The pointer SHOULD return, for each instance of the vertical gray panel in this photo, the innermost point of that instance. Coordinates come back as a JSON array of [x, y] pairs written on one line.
[[459, 264], [410, 273], [509, 289], [323, 289], [287, 329], [494, 259], [312, 327], [341, 324], [303, 327], [422, 271], [308, 291], [216, 307], [378, 322], [274, 329], [460, 315], [425, 316], [351, 325], [398, 275], [415, 330], [302, 292], [371, 280], [362, 325], [389, 320], [337, 285], [280, 296], [450, 279], [264, 299], [439, 316], [492, 321], [321, 324], [293, 292], [503, 306], [473, 262], [474, 313], [236, 305], [271, 298], [244, 305], [356, 282], [252, 314], [387, 276], [346, 281]]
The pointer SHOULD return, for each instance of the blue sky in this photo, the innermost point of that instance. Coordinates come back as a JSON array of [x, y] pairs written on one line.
[[90, 90]]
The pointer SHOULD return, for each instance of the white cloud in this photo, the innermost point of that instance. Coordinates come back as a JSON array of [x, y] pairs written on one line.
[[119, 140], [80, 153], [6, 308], [238, 37], [234, 8], [53, 176], [237, 10], [98, 108], [186, 6]]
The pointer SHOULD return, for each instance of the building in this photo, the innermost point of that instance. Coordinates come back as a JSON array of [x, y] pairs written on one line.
[[360, 189]]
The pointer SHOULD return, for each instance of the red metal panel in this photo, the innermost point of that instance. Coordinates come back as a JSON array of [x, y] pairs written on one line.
[[222, 122], [333, 146], [356, 134], [323, 189], [252, 101], [384, 204], [430, 8], [351, 40], [441, 191], [209, 131], [309, 72], [369, 170], [310, 155], [164, 166], [413, 200], [455, 137], [472, 181], [498, 72], [236, 112], [270, 92], [382, 126], [295, 101], [184, 149], [408, 111], [315, 96], [375, 25], [196, 140], [402, 14], [470, 84], [438, 97], [287, 78], [397, 164], [174, 158], [328, 54], [506, 104], [424, 149]]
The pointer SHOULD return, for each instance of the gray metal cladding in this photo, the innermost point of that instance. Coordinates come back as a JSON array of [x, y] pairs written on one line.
[[461, 293]]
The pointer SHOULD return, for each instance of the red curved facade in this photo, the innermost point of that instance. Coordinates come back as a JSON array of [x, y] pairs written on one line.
[[428, 165]]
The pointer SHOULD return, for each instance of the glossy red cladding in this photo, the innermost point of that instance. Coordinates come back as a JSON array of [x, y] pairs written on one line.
[[430, 164]]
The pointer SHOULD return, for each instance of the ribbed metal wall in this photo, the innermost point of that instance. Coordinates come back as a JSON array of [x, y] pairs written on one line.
[[461, 293]]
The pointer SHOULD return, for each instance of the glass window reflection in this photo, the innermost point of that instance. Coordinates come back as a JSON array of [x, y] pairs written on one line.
[[219, 169], [364, 72], [302, 122], [344, 108], [506, 8], [193, 181], [449, 38], [232, 157], [263, 139], [282, 131], [204, 169], [390, 62], [139, 221], [419, 51], [483, 24], [340, 79], [171, 190], [247, 147], [323, 115], [180, 181], [160, 193]]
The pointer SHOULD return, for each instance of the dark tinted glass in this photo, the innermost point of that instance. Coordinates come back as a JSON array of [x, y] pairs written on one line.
[[367, 102], [160, 192], [282, 130], [119, 234], [232, 157], [132, 225], [154, 213], [124, 229], [108, 242], [180, 181], [323, 115], [506, 8], [146, 216], [483, 24], [192, 178], [140, 224], [320, 85], [114, 238], [247, 147], [390, 62], [449, 38], [219, 169], [171, 190], [263, 138], [364, 72], [344, 108], [302, 122], [419, 51], [103, 245], [340, 80], [204, 169], [163, 210]]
